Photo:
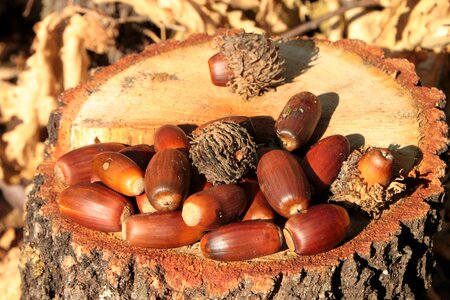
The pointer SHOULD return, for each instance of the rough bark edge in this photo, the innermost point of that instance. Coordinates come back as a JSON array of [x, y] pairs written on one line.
[[273, 279]]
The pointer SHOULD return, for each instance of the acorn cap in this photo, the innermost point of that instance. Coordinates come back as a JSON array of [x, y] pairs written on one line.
[[350, 190], [223, 152], [255, 62]]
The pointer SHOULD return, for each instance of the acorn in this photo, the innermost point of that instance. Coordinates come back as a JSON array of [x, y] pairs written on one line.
[[298, 120], [254, 62], [170, 136], [257, 206], [319, 229], [219, 71], [76, 166], [160, 230], [119, 173], [283, 182], [140, 154], [376, 166], [242, 241], [95, 206], [216, 206], [167, 179], [224, 152], [144, 205], [324, 159]]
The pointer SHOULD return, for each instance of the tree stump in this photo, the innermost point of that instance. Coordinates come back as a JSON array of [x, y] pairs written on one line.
[[370, 99]]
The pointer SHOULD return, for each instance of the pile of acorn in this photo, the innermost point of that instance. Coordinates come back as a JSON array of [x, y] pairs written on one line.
[[204, 187]]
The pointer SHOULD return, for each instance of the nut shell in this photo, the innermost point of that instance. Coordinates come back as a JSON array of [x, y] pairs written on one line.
[[324, 159], [141, 154], [298, 120], [119, 173], [258, 207], [213, 207], [242, 241], [283, 182], [160, 230], [170, 137], [95, 206], [167, 179], [317, 230], [376, 166], [76, 166], [219, 71]]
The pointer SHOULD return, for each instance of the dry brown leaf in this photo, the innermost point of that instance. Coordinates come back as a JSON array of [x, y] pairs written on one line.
[[59, 61], [404, 25], [10, 275], [275, 17]]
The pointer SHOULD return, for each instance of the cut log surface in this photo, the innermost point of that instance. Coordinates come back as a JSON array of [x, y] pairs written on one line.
[[370, 99]]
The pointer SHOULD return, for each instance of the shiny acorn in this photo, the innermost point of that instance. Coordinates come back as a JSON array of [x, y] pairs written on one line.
[[119, 173], [298, 120], [144, 205], [167, 179], [170, 136], [376, 166], [160, 230], [283, 182], [95, 206], [140, 154], [257, 207], [324, 159], [76, 166], [319, 229], [213, 207], [242, 241], [219, 70]]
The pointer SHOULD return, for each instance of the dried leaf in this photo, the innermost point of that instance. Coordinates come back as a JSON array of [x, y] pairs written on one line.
[[10, 276]]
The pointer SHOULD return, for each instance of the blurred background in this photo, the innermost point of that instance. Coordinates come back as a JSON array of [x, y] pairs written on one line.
[[47, 46]]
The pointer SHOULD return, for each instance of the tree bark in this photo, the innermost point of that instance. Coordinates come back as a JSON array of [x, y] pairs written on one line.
[[371, 100]]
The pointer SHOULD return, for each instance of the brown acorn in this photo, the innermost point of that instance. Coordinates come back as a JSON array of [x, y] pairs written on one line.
[[242, 241], [160, 230], [140, 154], [283, 182], [95, 206], [119, 173], [324, 159], [170, 136], [211, 208], [76, 166], [316, 230], [167, 179], [144, 205], [376, 166], [218, 69], [257, 206], [298, 120]]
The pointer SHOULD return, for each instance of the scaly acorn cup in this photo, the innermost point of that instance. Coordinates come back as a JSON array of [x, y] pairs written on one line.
[[324, 159], [213, 207], [298, 120], [170, 136], [141, 154], [224, 152], [167, 179], [376, 166], [254, 62], [242, 241], [244, 121], [119, 173], [283, 182], [319, 229], [95, 206], [76, 166], [161, 230]]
